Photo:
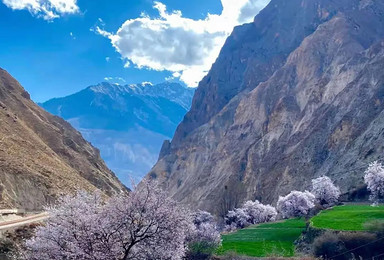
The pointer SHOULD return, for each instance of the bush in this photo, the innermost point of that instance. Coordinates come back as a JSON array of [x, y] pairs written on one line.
[[376, 226], [13, 241], [200, 251], [329, 245], [356, 242], [347, 245]]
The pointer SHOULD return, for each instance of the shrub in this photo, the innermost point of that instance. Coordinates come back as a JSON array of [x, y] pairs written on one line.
[[329, 245], [363, 244], [348, 245], [375, 226], [12, 241]]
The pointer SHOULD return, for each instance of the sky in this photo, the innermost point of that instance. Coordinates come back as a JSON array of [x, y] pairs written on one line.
[[58, 47]]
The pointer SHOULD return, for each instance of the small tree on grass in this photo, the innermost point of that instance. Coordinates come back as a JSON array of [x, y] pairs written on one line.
[[146, 224], [252, 212], [258, 212], [235, 219], [205, 238], [374, 178], [296, 204], [326, 193]]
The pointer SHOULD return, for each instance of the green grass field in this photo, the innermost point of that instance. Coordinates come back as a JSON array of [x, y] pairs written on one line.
[[347, 218], [277, 239], [272, 239]]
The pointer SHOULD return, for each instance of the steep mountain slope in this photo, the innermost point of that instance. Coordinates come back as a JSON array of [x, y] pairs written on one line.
[[127, 123], [294, 95], [42, 156]]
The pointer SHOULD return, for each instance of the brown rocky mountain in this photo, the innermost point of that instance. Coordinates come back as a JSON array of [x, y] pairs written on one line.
[[297, 94], [41, 155]]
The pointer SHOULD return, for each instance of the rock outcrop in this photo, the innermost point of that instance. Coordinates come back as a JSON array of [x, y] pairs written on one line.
[[42, 156], [297, 94]]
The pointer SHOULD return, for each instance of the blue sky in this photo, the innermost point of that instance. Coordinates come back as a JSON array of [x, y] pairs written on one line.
[[56, 51]]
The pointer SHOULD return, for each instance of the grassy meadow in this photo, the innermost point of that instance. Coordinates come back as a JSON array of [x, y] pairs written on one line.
[[348, 217], [277, 239], [271, 239]]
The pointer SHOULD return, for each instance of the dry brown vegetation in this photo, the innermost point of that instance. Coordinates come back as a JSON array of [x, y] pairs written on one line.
[[42, 156]]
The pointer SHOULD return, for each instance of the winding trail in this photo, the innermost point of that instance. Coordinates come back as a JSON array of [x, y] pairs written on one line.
[[23, 221]]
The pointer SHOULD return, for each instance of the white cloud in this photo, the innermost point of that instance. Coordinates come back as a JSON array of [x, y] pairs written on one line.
[[47, 9], [247, 13], [147, 83], [174, 75], [181, 45], [115, 79], [107, 59]]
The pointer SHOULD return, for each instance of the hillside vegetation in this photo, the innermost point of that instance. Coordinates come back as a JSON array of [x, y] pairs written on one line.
[[278, 238]]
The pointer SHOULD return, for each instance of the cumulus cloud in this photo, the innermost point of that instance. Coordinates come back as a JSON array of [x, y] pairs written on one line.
[[47, 9], [181, 45], [247, 12]]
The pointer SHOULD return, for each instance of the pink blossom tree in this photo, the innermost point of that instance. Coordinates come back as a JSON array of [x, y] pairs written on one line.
[[258, 212], [236, 219], [325, 191], [145, 224], [252, 212], [296, 204], [205, 238], [200, 217], [374, 178]]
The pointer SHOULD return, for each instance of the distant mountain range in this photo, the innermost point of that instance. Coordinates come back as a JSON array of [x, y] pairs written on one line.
[[127, 123]]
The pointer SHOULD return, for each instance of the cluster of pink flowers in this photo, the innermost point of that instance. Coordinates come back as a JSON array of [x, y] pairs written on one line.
[[252, 212], [326, 193], [374, 178], [296, 204], [145, 224]]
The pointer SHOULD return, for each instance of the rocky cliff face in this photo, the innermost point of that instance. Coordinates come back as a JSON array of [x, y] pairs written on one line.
[[294, 95], [41, 155], [127, 123]]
